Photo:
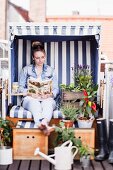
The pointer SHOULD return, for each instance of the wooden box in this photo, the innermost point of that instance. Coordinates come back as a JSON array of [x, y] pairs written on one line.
[[25, 141], [87, 137]]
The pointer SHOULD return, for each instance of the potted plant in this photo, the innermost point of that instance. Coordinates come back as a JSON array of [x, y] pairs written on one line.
[[6, 142], [69, 92], [85, 154], [70, 115], [87, 109], [64, 134], [84, 82]]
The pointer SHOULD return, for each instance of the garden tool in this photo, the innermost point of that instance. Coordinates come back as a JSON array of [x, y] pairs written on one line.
[[63, 156]]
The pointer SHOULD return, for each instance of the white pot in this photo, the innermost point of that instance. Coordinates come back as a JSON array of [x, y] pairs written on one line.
[[85, 123], [6, 155]]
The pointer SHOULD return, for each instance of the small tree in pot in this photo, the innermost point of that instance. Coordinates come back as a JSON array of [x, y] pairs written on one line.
[[85, 154], [70, 115], [6, 141]]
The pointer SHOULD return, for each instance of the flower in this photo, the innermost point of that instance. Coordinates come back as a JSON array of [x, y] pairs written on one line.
[[82, 77], [83, 81]]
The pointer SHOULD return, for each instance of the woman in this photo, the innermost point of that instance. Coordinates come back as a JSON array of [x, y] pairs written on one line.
[[41, 106]]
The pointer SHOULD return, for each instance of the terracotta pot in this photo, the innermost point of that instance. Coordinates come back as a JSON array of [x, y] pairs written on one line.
[[68, 123]]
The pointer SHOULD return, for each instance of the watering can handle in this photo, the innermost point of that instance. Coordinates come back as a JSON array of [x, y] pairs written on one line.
[[74, 147], [66, 143]]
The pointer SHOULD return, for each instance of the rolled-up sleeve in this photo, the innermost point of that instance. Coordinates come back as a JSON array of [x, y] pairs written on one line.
[[23, 81], [55, 90]]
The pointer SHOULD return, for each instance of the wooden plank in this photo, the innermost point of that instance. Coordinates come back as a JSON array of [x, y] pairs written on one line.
[[3, 167], [52, 167], [24, 165], [15, 165], [106, 165], [45, 165], [97, 165], [77, 165], [35, 164]]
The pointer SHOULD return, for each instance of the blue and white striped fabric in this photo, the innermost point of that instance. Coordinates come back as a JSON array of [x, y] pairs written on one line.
[[20, 112], [26, 124], [53, 29], [60, 55], [66, 45]]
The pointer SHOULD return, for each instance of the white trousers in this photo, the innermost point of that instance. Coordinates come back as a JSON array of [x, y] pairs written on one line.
[[39, 109]]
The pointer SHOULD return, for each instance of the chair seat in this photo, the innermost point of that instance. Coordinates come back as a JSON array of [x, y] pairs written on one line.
[[20, 112], [26, 124]]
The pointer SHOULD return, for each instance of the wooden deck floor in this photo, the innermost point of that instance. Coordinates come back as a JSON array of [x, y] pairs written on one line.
[[45, 165]]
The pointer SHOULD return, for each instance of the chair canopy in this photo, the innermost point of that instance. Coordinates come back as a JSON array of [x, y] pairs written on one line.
[[66, 45]]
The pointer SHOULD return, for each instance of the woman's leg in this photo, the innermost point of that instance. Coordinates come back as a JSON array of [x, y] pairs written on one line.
[[34, 106], [48, 105]]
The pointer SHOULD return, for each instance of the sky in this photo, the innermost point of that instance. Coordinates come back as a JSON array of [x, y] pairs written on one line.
[[65, 7]]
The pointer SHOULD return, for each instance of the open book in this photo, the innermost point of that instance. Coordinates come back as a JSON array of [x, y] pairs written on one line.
[[40, 88]]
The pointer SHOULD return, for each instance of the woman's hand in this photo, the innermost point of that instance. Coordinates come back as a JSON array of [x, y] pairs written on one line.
[[45, 96], [33, 95]]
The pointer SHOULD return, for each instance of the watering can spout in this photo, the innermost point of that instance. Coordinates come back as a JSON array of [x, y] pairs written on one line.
[[51, 160]]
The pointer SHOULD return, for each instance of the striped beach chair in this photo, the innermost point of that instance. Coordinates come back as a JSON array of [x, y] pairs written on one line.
[[66, 44]]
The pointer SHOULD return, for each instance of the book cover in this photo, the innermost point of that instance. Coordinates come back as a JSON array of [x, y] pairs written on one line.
[[40, 88]]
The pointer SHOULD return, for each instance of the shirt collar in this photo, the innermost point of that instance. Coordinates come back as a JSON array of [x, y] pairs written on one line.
[[44, 67]]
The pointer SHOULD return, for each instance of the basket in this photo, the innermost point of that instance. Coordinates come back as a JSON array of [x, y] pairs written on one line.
[[71, 95]]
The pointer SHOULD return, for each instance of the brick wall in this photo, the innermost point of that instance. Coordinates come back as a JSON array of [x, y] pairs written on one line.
[[37, 11], [3, 19], [106, 38]]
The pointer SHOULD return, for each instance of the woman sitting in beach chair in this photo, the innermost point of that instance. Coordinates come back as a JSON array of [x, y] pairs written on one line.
[[41, 105]]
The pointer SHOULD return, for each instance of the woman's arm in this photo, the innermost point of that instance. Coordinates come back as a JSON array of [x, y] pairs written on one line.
[[55, 90], [23, 81]]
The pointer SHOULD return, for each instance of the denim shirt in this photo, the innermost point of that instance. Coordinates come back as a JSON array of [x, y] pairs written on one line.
[[29, 71]]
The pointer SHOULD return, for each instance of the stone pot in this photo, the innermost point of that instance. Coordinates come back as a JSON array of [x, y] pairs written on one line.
[[82, 123], [6, 157], [85, 161]]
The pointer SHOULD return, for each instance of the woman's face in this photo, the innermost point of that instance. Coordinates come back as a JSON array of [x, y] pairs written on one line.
[[39, 58]]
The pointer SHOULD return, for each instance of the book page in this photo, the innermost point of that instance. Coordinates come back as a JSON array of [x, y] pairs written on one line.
[[40, 88]]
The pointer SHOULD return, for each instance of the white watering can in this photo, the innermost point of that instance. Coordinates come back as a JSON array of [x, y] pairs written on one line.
[[63, 156]]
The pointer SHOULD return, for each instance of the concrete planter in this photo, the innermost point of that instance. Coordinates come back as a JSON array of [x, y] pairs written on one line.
[[85, 123], [6, 155]]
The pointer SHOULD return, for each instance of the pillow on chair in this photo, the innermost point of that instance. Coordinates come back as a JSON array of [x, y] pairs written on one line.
[[20, 112]]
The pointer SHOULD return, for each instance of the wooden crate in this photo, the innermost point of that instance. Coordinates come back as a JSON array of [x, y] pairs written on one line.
[[25, 141], [87, 137]]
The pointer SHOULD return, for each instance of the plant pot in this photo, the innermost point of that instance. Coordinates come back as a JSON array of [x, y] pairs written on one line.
[[82, 123], [68, 123], [6, 155], [85, 161]]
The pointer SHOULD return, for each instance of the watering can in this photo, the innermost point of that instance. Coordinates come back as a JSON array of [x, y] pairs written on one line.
[[63, 156]]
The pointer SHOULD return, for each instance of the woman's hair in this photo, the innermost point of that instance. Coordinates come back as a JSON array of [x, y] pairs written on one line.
[[37, 46]]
